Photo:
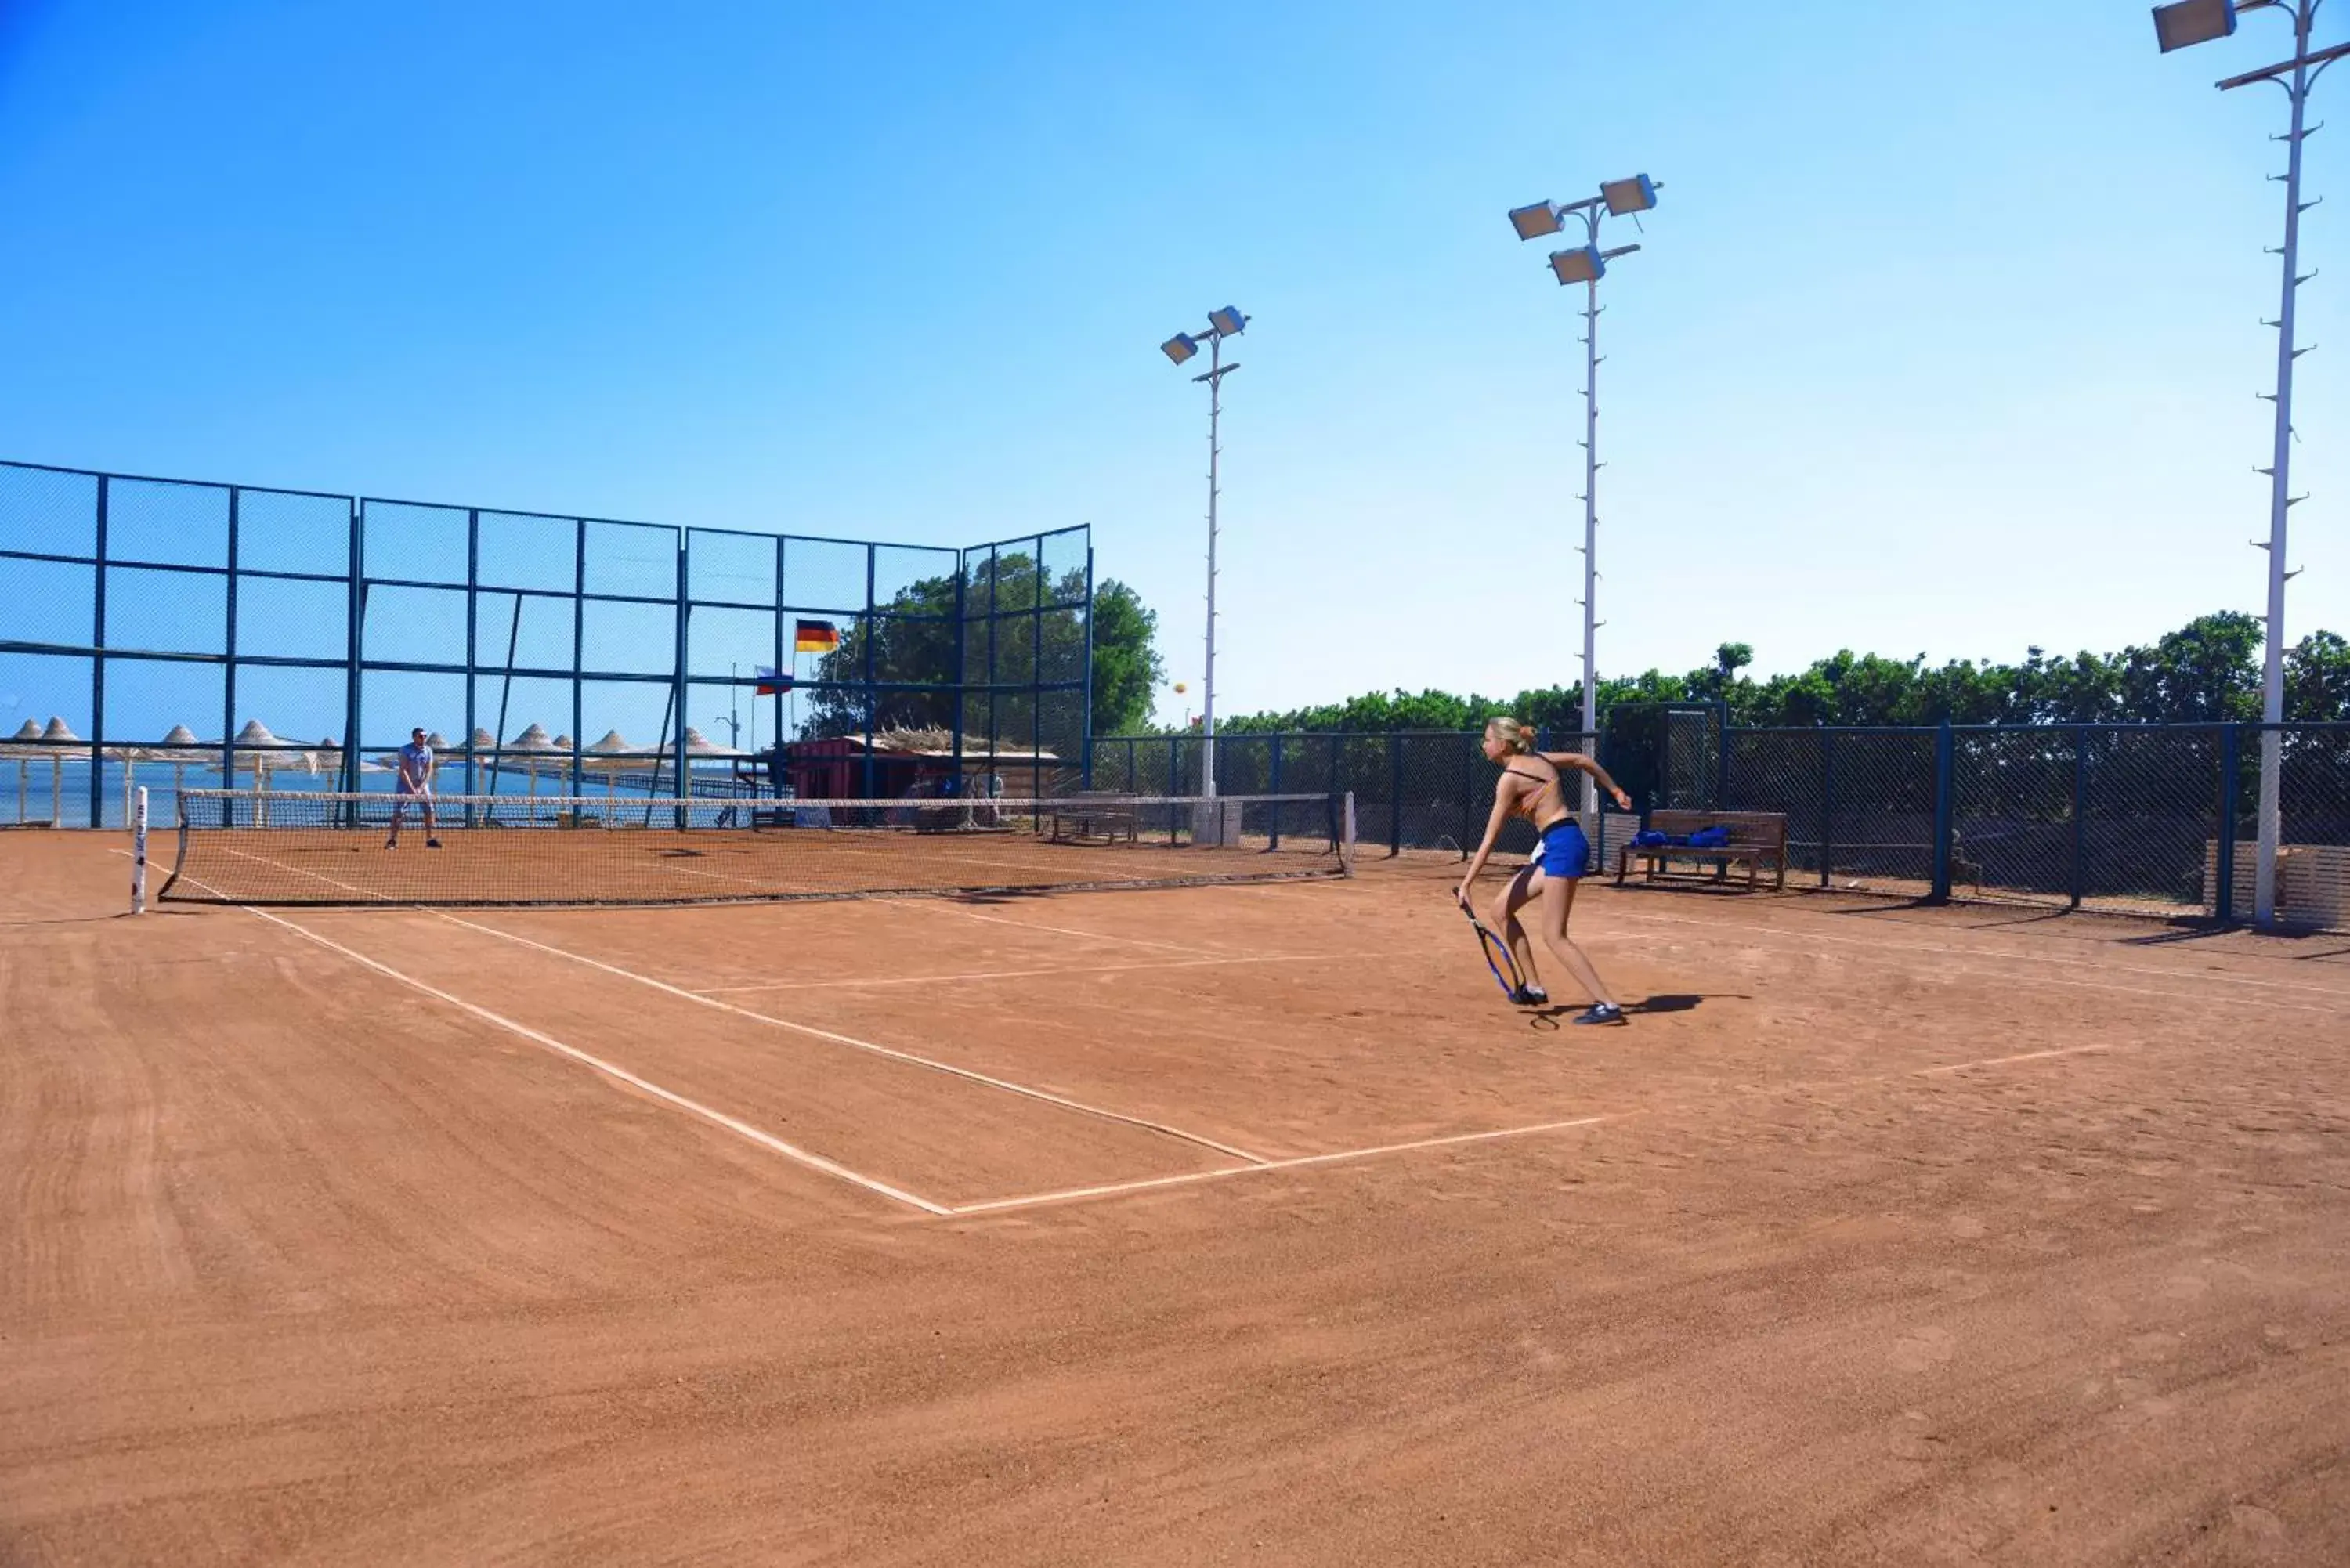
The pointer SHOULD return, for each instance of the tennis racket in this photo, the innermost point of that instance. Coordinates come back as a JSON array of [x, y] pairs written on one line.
[[1497, 957]]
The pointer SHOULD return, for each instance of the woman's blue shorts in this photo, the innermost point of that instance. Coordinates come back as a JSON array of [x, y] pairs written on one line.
[[1565, 853]]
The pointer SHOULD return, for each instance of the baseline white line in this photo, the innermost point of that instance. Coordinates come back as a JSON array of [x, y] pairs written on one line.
[[1031, 1201], [734, 1124], [851, 1041], [1119, 1189], [2338, 993], [1030, 974], [2025, 1057]]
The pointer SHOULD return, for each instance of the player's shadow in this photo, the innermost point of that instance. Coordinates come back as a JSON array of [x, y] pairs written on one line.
[[1666, 1001]]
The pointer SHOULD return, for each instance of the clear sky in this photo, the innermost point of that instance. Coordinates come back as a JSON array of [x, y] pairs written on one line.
[[1944, 337]]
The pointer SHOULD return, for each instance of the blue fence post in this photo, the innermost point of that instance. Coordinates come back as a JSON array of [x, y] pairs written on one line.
[[1395, 795], [473, 648], [578, 651], [1945, 809], [356, 606], [2080, 811], [228, 645], [1827, 806], [677, 678], [1721, 768], [1469, 834], [873, 630], [97, 679], [2223, 897], [1273, 785], [1088, 718]]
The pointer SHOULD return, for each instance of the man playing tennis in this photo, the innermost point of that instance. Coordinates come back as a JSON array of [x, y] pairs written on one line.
[[413, 781], [1531, 786]]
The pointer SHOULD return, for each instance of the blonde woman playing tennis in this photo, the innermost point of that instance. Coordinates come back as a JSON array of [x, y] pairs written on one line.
[[1532, 786]]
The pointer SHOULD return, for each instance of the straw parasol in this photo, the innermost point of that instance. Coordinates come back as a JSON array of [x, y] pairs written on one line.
[[532, 745], [179, 749], [611, 756]]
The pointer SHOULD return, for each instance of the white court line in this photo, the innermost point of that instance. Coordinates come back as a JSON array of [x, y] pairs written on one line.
[[1031, 973], [1119, 1189], [896, 1055], [1056, 930], [2340, 996], [907, 1056], [734, 1124], [1033, 1199], [2025, 1057]]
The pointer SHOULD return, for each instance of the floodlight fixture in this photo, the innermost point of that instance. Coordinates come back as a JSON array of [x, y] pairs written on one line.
[[1180, 347], [1582, 265], [1625, 197], [1228, 322], [1542, 218], [2185, 23]]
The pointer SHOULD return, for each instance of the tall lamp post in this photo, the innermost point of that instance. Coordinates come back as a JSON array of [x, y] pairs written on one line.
[[2176, 26], [1222, 324], [1586, 264]]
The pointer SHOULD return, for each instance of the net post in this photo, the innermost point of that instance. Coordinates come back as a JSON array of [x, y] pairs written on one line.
[[139, 854], [1347, 835]]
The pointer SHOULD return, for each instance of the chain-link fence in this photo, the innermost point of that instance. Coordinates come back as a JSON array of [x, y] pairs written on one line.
[[167, 633], [2118, 817]]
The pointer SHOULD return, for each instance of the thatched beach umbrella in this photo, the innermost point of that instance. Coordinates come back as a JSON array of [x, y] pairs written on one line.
[[611, 756], [534, 747], [24, 745]]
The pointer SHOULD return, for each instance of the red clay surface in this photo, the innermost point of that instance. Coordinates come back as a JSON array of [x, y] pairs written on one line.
[[1075, 1230]]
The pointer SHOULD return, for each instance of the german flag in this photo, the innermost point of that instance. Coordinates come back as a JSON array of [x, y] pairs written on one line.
[[815, 637]]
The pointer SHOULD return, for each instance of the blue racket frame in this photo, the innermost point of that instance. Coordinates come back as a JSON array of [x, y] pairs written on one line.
[[1505, 971]]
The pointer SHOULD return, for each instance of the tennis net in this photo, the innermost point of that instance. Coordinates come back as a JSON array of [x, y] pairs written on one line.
[[285, 847]]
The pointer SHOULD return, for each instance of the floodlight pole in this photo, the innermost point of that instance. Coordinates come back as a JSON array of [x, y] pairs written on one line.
[[1214, 377], [1590, 803], [1222, 324], [2296, 77]]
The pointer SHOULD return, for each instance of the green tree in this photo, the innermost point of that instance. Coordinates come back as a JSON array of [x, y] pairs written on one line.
[[1128, 670], [2317, 679]]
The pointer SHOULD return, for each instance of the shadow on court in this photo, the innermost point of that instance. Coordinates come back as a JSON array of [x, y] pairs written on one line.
[[1670, 1001]]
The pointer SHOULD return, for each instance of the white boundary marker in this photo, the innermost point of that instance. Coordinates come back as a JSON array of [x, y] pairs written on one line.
[[734, 1124], [1035, 973], [851, 1041]]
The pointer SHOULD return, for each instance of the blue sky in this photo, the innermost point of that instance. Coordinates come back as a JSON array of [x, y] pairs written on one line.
[[1944, 337]]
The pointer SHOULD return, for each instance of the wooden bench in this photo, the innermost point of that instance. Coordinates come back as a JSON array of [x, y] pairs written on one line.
[[1757, 839], [1109, 818]]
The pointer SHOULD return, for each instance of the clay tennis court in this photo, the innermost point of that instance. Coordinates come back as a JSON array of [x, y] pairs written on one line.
[[1205, 1225]]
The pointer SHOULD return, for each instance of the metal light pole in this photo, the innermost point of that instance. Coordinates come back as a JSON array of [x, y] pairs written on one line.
[[2179, 25], [1222, 324], [1587, 265]]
